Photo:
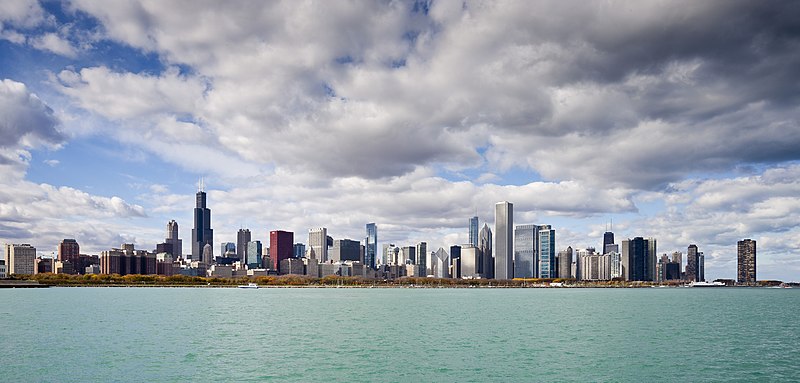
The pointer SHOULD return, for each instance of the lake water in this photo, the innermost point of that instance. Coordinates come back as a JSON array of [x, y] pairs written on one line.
[[399, 335]]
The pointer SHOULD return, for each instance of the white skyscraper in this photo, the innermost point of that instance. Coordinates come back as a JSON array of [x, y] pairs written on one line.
[[318, 244], [503, 240]]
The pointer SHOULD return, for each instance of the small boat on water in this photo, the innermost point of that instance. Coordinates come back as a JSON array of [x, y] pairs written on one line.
[[249, 286]]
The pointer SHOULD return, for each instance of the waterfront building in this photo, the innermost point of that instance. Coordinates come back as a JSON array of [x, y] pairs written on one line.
[[69, 250], [3, 273], [371, 245], [202, 234], [746, 262], [526, 251], [595, 267], [172, 239], [318, 244], [565, 263], [638, 264], [470, 258], [547, 252], [243, 236], [127, 260], [299, 250], [47, 265], [281, 246], [346, 250], [701, 266], [253, 256], [615, 260], [422, 259], [20, 259], [441, 263], [486, 268], [692, 270], [473, 231], [504, 240]]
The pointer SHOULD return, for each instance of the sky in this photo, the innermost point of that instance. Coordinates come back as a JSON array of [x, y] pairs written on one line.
[[675, 120]]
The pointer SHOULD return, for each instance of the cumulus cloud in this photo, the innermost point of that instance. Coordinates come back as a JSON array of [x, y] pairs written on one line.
[[26, 120], [54, 43]]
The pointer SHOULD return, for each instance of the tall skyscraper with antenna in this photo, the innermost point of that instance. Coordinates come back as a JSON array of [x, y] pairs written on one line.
[[202, 234], [608, 240]]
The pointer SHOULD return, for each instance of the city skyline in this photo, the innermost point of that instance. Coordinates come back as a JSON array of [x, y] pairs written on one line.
[[413, 115]]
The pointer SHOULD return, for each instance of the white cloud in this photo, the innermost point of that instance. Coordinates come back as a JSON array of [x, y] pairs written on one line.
[[54, 43]]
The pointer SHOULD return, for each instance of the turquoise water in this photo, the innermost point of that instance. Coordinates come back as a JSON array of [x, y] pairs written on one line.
[[399, 335]]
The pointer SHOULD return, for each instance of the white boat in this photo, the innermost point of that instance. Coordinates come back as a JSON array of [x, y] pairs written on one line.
[[707, 284], [249, 286]]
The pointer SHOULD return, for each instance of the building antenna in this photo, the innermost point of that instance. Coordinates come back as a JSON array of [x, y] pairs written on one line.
[[612, 223], [201, 185]]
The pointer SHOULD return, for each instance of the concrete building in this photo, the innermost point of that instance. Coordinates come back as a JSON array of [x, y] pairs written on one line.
[[409, 254], [20, 259], [390, 254], [746, 262], [526, 251], [69, 250], [470, 259], [547, 252], [595, 267], [318, 244], [3, 273], [346, 250], [281, 246], [441, 264], [565, 263], [638, 264], [127, 260], [692, 269], [243, 237], [504, 240], [294, 266], [172, 239]]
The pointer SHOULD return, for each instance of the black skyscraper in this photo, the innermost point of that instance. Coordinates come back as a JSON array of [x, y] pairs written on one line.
[[202, 233], [608, 239]]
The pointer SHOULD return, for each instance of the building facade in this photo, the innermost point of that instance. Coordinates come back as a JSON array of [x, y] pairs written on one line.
[[371, 245], [486, 268], [504, 240], [526, 251], [281, 246], [473, 231], [422, 259], [243, 236], [746, 262], [20, 259], [547, 252], [565, 263], [346, 250]]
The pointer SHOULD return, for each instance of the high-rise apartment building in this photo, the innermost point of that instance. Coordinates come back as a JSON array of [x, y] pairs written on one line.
[[547, 252], [638, 264], [504, 240], [473, 231], [486, 264], [20, 259], [242, 238], [318, 244], [692, 267], [371, 245], [281, 246], [526, 251], [69, 250], [565, 263], [202, 234], [746, 262]]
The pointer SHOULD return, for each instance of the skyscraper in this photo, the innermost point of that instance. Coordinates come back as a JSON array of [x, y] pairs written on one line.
[[69, 250], [202, 234], [746, 262], [473, 231], [281, 246], [422, 259], [565, 263], [636, 259], [692, 269], [608, 243], [371, 245], [20, 259], [547, 252], [254, 250], [318, 244], [526, 250], [173, 240], [242, 238], [504, 240], [486, 263]]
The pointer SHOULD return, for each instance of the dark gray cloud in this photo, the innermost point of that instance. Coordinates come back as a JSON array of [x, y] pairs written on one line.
[[24, 119]]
